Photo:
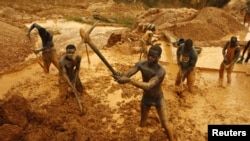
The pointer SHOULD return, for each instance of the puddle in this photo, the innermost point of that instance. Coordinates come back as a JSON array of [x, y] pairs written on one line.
[[13, 79], [209, 59]]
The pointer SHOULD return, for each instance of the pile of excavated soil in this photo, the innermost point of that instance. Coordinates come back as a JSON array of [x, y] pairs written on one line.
[[15, 47], [27, 119], [208, 24]]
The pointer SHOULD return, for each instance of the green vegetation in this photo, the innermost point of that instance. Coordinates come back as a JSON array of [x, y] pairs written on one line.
[[76, 19], [125, 21], [178, 3]]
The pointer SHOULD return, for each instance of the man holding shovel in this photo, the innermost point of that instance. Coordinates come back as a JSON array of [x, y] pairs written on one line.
[[186, 60], [69, 81], [48, 50]]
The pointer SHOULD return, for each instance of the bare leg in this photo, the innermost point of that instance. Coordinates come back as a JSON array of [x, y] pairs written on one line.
[[221, 74], [46, 61], [55, 59], [229, 72], [162, 112], [190, 81], [144, 114], [178, 79]]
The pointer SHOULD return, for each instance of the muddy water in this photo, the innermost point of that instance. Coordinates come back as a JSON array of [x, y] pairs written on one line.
[[209, 59], [33, 72], [67, 32]]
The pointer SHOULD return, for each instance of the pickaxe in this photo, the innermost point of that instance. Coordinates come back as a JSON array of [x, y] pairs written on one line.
[[86, 39], [87, 51], [76, 94], [89, 31]]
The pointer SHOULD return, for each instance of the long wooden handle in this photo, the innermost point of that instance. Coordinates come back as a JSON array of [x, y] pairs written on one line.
[[86, 39], [87, 51], [94, 48]]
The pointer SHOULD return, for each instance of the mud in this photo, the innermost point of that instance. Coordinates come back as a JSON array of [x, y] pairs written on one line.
[[28, 107]]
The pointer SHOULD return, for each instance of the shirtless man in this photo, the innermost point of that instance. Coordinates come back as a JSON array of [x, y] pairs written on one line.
[[69, 72], [153, 75], [48, 51], [231, 53], [147, 39]]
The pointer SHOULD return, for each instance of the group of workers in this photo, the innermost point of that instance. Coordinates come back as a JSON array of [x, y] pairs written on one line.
[[68, 64], [231, 54], [152, 72]]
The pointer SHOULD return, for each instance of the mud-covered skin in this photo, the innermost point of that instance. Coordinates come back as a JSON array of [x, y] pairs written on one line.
[[152, 76], [186, 59], [48, 51]]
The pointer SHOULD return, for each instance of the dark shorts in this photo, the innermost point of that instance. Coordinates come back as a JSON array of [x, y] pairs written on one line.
[[160, 105], [152, 101]]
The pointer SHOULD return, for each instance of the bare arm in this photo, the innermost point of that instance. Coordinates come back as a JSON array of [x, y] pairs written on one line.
[[237, 55], [34, 25], [64, 72], [47, 42], [132, 71], [224, 50], [77, 69], [124, 77], [146, 85]]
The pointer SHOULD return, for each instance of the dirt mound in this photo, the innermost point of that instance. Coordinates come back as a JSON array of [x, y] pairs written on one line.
[[208, 24], [64, 122], [13, 113], [221, 20], [15, 47]]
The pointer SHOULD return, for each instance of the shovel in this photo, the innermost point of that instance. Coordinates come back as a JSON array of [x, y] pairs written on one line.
[[76, 95]]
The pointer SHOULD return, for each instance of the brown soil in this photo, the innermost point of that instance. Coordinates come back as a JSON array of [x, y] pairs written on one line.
[[28, 110]]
